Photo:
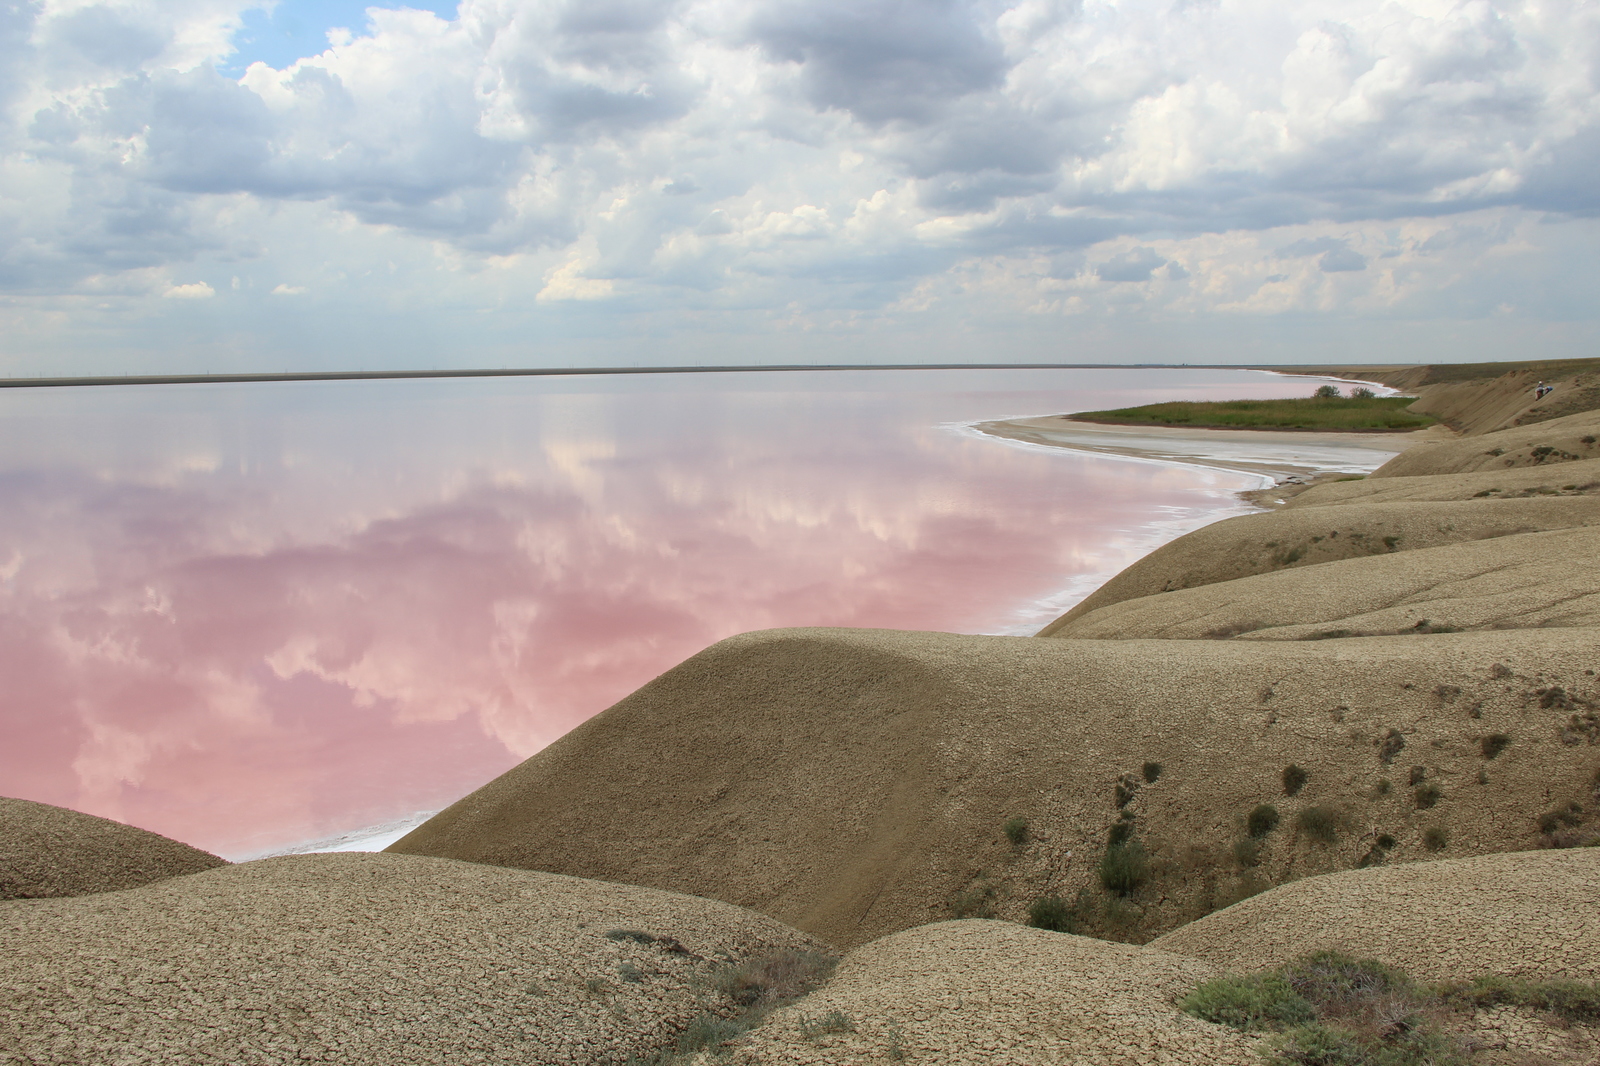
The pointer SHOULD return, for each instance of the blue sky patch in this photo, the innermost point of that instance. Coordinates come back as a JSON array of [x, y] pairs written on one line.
[[299, 28]]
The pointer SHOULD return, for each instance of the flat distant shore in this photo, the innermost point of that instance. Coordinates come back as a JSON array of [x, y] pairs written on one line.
[[1274, 453]]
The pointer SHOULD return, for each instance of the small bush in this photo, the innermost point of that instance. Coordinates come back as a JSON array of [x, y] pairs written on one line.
[[976, 901], [1247, 852], [1427, 796], [1260, 1001], [1319, 823], [835, 1021], [1262, 819], [1121, 831], [1124, 867], [1493, 744], [1418, 773], [1383, 787], [1435, 838], [1152, 771], [1385, 841], [769, 979], [1326, 392], [1361, 392], [1016, 830], [1294, 779], [708, 1032], [1392, 744], [1574, 1001], [1053, 913]]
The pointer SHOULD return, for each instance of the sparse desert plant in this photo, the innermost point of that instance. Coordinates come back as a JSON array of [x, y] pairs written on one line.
[[1053, 913], [1382, 788], [1427, 796], [1127, 788], [1294, 779], [1121, 830], [1435, 838], [1493, 744], [1262, 819], [1319, 823], [835, 1021], [975, 901], [764, 980], [1124, 867], [1392, 744], [1256, 1001], [1247, 852], [1152, 771], [630, 973], [1416, 776], [1016, 830], [1572, 1001]]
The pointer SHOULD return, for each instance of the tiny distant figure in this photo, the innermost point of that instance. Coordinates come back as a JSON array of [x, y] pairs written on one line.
[[1542, 391]]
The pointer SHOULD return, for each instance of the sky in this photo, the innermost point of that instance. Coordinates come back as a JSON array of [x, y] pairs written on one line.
[[192, 186]]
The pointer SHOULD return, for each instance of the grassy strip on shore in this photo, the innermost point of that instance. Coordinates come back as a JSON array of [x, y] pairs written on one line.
[[1370, 413]]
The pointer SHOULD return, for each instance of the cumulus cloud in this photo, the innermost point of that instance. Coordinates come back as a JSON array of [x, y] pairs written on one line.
[[784, 160], [197, 290]]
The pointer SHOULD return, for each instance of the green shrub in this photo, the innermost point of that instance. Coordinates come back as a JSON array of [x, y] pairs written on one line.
[[1247, 852], [1152, 771], [770, 979], [1493, 744], [1124, 867], [1327, 392], [1319, 823], [835, 1021], [1053, 913], [1294, 779], [1574, 1001], [1259, 1001], [1262, 819], [1435, 838], [1016, 830], [1121, 831], [1427, 796]]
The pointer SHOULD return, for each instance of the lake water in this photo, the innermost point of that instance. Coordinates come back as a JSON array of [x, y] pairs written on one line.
[[252, 616]]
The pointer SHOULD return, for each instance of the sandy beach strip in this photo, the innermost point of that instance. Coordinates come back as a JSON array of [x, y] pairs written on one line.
[[1278, 454]]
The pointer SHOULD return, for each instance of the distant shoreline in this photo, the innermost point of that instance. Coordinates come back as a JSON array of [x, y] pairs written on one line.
[[1242, 429], [581, 371]]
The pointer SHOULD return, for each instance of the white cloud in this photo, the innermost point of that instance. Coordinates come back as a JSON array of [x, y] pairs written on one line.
[[198, 290], [289, 290], [733, 165]]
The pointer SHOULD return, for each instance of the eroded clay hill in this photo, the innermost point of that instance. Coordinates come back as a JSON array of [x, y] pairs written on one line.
[[50, 851], [854, 783], [365, 960]]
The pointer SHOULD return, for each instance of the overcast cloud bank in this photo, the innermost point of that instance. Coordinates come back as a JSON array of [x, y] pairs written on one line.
[[709, 180]]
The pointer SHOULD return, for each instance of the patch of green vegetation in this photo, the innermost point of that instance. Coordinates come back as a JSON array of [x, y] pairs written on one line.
[[1262, 819], [1053, 913], [1124, 867], [835, 1021], [1332, 1010], [1016, 830], [1294, 779], [1152, 772], [1319, 823], [974, 901], [1493, 744], [1247, 852], [1436, 838], [1370, 413], [1427, 796], [1572, 1001]]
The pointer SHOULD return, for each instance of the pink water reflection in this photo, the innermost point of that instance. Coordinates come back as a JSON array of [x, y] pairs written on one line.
[[247, 617]]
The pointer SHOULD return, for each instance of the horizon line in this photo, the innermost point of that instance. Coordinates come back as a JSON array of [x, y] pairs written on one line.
[[578, 371]]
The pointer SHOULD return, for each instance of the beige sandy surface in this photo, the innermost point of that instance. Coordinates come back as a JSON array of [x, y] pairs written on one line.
[[359, 959], [1306, 536], [853, 783], [1571, 438], [1520, 581], [1523, 914], [51, 851], [1560, 479], [985, 992], [1276, 453]]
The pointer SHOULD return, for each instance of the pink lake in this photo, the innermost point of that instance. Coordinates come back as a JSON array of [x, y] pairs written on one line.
[[254, 616]]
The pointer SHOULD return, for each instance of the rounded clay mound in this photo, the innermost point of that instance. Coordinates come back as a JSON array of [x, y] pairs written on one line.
[[1564, 479], [1262, 543], [853, 783], [992, 992], [1560, 440], [1523, 581], [1526, 914], [366, 959], [50, 851]]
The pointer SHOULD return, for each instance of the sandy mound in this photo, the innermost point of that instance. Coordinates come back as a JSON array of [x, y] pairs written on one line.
[[988, 992], [853, 783], [50, 851], [1551, 443], [1530, 914], [1580, 478], [1261, 543], [1521, 581], [361, 959]]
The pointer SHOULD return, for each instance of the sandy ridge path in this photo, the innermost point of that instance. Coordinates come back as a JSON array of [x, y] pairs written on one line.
[[360, 959], [853, 783], [1520, 581], [1305, 536], [1520, 914], [50, 851], [1558, 479], [1568, 439]]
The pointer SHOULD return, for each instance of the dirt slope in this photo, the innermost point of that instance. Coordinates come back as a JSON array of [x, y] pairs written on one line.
[[1521, 581], [1528, 914], [989, 992], [853, 782], [1579, 478], [1305, 536], [1562, 440], [360, 959], [50, 851]]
